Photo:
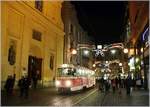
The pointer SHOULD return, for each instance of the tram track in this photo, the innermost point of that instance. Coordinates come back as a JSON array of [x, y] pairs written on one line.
[[70, 99]]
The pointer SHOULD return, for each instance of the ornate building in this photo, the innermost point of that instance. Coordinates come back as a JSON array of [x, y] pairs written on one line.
[[75, 38], [32, 39]]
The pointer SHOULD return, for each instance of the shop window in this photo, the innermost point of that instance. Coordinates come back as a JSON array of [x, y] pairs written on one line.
[[39, 5]]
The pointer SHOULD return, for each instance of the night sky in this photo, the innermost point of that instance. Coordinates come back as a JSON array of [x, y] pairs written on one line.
[[103, 20]]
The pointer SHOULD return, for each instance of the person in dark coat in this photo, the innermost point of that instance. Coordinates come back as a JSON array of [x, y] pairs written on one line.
[[35, 79], [113, 83], [9, 85], [116, 81], [101, 84], [26, 84], [21, 86], [12, 83], [128, 84], [119, 84]]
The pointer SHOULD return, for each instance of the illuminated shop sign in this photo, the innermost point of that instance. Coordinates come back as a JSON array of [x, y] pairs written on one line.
[[145, 34]]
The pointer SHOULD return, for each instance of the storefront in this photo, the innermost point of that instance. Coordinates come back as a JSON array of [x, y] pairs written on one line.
[[146, 44], [142, 57]]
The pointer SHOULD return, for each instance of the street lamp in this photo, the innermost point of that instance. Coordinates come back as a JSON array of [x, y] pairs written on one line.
[[86, 52], [74, 51], [137, 59], [125, 50], [94, 65], [120, 64], [113, 51]]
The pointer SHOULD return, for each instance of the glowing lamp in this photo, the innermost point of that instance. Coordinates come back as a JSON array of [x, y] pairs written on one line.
[[68, 83], [74, 51], [136, 60], [125, 50], [113, 51], [120, 64], [94, 65], [57, 83], [86, 52]]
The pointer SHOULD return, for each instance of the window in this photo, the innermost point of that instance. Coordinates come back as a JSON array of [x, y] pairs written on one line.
[[66, 72], [36, 35], [39, 5], [71, 28]]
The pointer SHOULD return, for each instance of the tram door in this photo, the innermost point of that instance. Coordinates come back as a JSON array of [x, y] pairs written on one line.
[[34, 67]]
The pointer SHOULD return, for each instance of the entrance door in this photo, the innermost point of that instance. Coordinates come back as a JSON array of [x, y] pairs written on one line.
[[34, 67]]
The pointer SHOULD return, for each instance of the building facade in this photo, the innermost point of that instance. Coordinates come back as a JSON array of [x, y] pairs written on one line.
[[137, 38], [75, 37], [32, 39]]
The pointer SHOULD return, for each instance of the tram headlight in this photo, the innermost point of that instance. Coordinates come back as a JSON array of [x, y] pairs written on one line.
[[68, 83], [57, 83]]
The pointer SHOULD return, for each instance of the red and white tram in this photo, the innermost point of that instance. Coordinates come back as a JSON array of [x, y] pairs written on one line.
[[73, 78]]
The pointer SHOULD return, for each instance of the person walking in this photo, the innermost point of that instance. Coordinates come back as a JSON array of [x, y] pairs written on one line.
[[21, 86], [124, 82], [35, 79], [12, 84], [119, 84], [7, 85], [26, 85], [128, 84], [116, 81], [106, 85], [113, 83], [101, 84]]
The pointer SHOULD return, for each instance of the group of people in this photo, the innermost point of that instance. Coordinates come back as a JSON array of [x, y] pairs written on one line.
[[9, 85], [116, 83], [23, 84]]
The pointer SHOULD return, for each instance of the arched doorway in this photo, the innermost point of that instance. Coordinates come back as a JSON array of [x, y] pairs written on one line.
[[35, 62]]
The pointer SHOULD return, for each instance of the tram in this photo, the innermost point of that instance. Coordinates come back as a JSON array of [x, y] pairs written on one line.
[[73, 78]]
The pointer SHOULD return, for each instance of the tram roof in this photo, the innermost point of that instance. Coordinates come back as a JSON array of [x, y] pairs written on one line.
[[72, 66]]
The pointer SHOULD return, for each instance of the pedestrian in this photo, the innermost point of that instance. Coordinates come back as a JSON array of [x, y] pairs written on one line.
[[106, 85], [101, 84], [7, 85], [26, 85], [119, 84], [124, 82], [113, 83], [116, 81], [128, 84], [35, 79], [12, 83], [21, 86]]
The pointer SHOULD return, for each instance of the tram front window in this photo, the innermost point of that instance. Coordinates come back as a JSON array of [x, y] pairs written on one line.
[[66, 72]]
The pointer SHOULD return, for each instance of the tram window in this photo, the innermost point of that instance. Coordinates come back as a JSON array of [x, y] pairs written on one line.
[[66, 72]]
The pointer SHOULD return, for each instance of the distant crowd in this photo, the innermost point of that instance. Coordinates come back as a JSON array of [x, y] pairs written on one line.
[[118, 83]]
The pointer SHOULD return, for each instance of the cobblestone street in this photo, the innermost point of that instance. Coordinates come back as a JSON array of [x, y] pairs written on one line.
[[91, 97]]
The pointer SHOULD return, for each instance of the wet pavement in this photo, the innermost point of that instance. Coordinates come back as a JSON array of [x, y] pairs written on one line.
[[89, 97]]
